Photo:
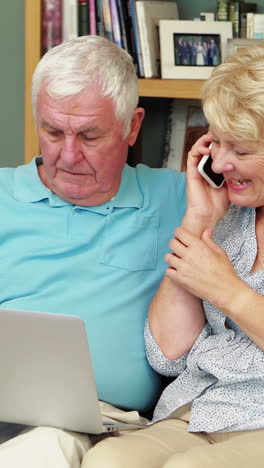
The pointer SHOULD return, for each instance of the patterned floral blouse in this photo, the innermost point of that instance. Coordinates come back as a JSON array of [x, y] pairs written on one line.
[[223, 373]]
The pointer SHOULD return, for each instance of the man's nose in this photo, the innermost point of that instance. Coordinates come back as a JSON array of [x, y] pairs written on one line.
[[222, 161], [70, 152]]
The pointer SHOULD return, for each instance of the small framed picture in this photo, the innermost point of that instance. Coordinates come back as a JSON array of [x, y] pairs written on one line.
[[234, 44], [190, 49]]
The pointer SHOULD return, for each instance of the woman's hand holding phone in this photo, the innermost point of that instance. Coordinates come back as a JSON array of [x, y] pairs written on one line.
[[205, 169], [205, 205]]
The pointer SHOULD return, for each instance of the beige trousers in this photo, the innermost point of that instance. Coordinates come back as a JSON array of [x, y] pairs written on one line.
[[166, 444]]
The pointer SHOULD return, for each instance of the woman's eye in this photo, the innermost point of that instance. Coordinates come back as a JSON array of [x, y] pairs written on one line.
[[241, 153]]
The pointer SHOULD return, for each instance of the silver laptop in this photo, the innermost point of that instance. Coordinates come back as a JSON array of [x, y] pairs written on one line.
[[46, 375]]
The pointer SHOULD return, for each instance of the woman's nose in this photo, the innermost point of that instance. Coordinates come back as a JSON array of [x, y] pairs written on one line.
[[222, 161]]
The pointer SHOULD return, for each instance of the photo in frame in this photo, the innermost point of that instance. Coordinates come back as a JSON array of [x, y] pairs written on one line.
[[237, 43], [191, 49]]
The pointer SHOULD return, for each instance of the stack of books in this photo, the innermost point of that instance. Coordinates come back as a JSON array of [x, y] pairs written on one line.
[[255, 26], [247, 23], [131, 24]]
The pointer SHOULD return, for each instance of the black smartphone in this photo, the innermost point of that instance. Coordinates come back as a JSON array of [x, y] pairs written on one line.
[[205, 169]]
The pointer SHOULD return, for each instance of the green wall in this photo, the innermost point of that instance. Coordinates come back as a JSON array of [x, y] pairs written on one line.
[[12, 82]]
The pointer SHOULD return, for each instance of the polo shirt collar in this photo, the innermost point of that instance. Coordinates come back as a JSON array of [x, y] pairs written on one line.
[[28, 188]]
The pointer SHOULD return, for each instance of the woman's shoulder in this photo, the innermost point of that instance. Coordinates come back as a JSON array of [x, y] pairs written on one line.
[[234, 225]]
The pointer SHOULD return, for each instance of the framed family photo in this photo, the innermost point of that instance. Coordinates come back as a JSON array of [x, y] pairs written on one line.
[[190, 49], [234, 44]]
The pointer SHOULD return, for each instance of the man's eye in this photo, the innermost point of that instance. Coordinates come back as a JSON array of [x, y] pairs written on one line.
[[87, 137], [54, 133]]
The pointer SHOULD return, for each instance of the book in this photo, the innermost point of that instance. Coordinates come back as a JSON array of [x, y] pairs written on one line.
[[249, 25], [222, 8], [69, 19], [115, 22], [235, 10], [124, 26], [83, 18], [107, 20], [136, 42], [258, 26], [99, 18], [149, 12], [255, 25], [246, 8], [92, 16], [243, 25], [51, 24]]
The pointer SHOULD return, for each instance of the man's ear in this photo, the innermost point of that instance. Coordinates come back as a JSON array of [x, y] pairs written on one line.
[[138, 116]]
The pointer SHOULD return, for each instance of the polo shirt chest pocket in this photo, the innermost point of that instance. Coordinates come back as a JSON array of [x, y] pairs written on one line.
[[130, 242]]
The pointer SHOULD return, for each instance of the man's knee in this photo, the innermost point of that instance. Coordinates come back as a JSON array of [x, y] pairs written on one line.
[[182, 460], [126, 451], [45, 447], [108, 453]]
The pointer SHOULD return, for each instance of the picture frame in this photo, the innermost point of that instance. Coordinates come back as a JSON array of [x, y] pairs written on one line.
[[234, 44], [176, 36]]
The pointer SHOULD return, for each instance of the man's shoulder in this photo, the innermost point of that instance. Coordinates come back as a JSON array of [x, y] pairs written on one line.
[[161, 189], [162, 181], [7, 171], [159, 175], [6, 177], [9, 177]]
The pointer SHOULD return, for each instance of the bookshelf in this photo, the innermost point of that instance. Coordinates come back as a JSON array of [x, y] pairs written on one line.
[[185, 89]]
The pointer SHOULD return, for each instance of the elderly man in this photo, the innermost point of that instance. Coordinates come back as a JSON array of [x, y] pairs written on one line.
[[86, 234]]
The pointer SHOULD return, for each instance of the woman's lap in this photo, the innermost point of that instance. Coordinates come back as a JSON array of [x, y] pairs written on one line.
[[145, 448], [240, 450], [166, 444]]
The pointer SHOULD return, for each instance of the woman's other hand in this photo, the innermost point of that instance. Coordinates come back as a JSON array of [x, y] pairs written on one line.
[[202, 268]]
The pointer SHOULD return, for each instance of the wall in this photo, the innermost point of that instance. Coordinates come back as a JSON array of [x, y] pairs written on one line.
[[12, 82]]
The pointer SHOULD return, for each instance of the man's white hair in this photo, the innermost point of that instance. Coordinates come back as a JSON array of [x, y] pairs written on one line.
[[84, 62]]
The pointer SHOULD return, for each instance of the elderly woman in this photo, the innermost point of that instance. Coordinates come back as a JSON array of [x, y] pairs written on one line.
[[206, 323]]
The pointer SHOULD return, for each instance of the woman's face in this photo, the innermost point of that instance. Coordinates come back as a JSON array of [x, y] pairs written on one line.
[[242, 164]]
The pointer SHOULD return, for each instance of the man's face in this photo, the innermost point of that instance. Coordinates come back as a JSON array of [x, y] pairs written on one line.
[[82, 146]]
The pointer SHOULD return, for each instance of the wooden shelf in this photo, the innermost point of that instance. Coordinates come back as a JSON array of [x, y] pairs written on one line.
[[185, 89], [32, 56]]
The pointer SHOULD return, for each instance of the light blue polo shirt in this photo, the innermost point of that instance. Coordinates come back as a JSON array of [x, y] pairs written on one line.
[[101, 263]]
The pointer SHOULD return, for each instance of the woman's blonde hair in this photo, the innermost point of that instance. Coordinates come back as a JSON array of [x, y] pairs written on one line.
[[233, 97]]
